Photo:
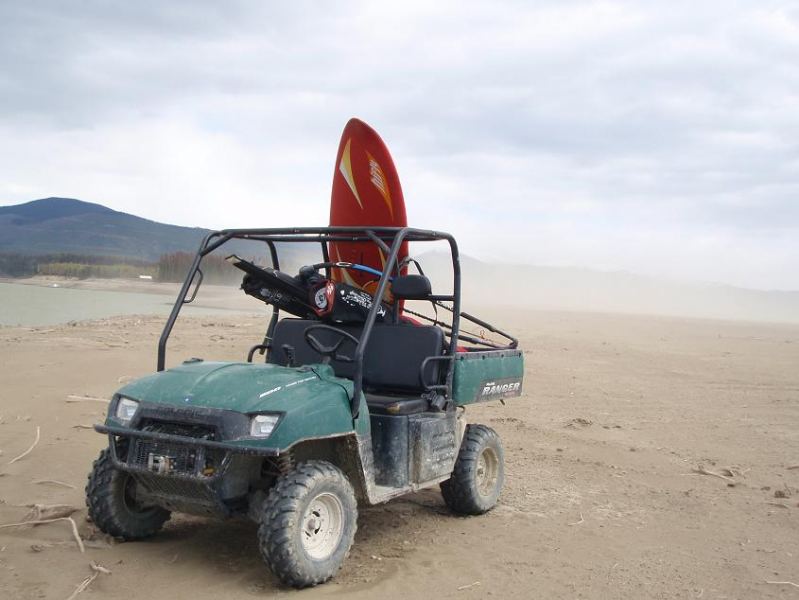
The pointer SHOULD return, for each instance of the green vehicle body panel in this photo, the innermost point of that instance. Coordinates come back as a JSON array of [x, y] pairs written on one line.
[[313, 401], [486, 376]]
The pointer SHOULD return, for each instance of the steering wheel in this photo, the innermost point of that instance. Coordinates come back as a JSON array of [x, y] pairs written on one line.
[[331, 351]]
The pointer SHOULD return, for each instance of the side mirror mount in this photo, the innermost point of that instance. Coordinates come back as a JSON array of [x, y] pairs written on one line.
[[411, 287]]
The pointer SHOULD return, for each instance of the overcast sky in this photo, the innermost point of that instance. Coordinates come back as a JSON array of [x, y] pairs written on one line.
[[658, 138]]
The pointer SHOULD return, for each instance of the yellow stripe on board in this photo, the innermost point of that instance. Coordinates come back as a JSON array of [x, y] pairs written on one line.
[[346, 170]]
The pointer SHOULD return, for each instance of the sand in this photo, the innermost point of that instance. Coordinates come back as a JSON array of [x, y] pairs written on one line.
[[602, 498]]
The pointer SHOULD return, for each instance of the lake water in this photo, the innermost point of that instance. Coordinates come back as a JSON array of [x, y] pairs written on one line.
[[30, 305]]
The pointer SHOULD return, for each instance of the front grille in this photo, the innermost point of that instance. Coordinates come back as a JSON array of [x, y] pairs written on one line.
[[167, 458], [162, 457], [192, 430]]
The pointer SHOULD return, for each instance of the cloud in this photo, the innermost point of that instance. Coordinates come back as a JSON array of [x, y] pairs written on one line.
[[659, 139]]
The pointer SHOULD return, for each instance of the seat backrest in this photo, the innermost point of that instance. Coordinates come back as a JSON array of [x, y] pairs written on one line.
[[392, 359], [395, 353], [291, 332]]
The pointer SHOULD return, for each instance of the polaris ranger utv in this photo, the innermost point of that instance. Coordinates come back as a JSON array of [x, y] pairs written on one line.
[[356, 402]]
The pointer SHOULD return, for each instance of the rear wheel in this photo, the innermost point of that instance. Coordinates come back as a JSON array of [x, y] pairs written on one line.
[[479, 473], [111, 496], [308, 524]]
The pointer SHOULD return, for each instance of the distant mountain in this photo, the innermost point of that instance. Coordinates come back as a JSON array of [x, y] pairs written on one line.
[[54, 225], [52, 208]]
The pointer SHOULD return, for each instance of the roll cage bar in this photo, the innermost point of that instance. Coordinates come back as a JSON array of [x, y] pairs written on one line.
[[389, 239]]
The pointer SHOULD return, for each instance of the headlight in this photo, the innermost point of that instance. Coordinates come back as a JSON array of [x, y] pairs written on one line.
[[126, 408], [262, 425]]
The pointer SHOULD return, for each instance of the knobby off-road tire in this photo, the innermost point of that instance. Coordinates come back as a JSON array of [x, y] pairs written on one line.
[[479, 473], [110, 496], [308, 524]]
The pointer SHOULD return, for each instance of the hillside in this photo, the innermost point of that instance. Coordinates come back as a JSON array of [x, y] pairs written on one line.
[[64, 225]]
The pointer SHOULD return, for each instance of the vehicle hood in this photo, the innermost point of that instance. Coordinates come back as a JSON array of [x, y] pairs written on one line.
[[241, 387]]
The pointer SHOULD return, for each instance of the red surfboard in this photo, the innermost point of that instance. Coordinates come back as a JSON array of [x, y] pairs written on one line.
[[366, 191]]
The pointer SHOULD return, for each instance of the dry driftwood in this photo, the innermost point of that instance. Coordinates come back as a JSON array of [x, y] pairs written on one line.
[[49, 511], [703, 471], [94, 545], [74, 398], [83, 585], [580, 522], [29, 450], [74, 525], [469, 585], [796, 585], [98, 569], [53, 482]]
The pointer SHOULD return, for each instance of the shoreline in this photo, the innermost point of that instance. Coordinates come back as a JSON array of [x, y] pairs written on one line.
[[230, 299], [103, 285], [48, 301]]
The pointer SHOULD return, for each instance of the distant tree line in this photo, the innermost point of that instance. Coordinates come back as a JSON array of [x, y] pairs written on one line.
[[17, 265], [170, 267], [79, 266], [175, 266]]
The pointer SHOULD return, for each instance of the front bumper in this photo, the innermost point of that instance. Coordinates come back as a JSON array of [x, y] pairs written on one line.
[[188, 484], [125, 432]]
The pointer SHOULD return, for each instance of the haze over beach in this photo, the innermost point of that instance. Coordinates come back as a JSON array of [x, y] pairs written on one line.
[[36, 235], [621, 178]]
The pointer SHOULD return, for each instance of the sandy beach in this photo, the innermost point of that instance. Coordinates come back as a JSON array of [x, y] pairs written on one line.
[[648, 458]]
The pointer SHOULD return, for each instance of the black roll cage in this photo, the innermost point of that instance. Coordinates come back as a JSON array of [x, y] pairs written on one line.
[[390, 240]]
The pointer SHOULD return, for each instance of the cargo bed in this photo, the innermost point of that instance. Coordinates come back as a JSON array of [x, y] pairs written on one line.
[[485, 375]]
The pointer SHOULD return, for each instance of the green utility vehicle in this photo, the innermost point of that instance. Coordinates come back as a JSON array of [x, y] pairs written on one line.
[[356, 401]]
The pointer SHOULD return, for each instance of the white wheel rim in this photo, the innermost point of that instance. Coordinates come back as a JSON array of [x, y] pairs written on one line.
[[322, 526], [487, 472]]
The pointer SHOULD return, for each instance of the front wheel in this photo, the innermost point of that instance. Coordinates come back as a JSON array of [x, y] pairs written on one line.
[[308, 524], [476, 482], [113, 505]]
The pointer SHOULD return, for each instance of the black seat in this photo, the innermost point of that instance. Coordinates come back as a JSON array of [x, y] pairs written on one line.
[[392, 360], [396, 405]]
